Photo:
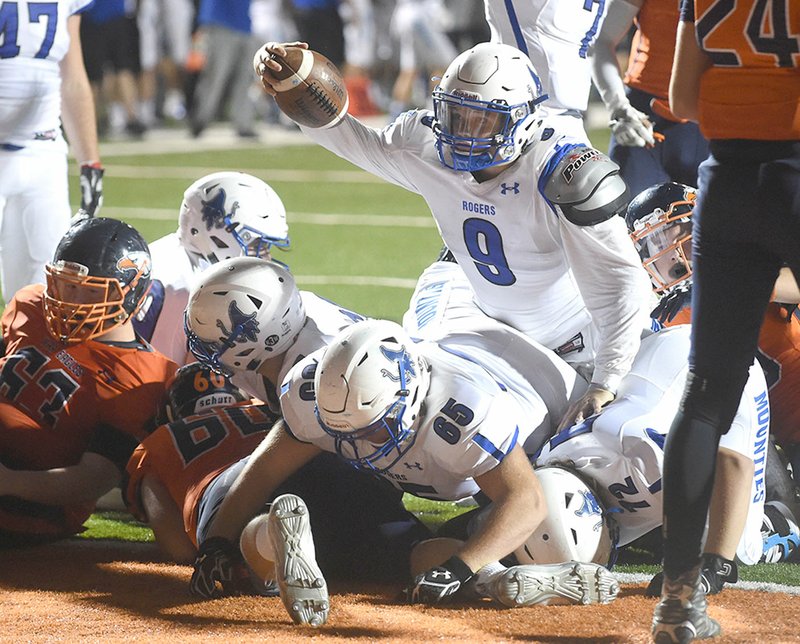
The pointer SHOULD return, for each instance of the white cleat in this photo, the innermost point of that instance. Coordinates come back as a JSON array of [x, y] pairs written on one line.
[[567, 583], [302, 587]]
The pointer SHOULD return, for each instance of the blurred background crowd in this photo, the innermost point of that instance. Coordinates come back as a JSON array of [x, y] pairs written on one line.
[[187, 63]]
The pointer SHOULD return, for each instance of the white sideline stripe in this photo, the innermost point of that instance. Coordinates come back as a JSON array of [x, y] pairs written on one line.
[[191, 173], [767, 587], [357, 280], [323, 219]]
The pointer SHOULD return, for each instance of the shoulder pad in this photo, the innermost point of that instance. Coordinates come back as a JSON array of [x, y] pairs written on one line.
[[586, 184]]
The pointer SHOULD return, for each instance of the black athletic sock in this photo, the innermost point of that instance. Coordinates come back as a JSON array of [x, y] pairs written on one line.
[[689, 465]]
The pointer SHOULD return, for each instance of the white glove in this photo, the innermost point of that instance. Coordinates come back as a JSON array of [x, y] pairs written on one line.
[[631, 127]]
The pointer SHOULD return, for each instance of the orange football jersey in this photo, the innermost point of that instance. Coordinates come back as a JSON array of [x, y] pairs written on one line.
[[54, 397], [753, 89], [779, 356], [653, 47], [186, 455]]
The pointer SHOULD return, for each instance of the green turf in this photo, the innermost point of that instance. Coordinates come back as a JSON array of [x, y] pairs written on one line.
[[323, 257]]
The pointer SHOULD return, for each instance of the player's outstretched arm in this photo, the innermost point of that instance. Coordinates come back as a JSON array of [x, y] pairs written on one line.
[[87, 481], [218, 568]]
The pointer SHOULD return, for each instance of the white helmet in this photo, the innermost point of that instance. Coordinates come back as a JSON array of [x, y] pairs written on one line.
[[575, 528], [370, 385], [241, 312], [484, 107], [230, 214]]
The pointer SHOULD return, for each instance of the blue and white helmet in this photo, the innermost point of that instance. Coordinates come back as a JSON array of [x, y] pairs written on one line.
[[576, 527], [370, 385], [231, 214], [484, 107], [241, 312]]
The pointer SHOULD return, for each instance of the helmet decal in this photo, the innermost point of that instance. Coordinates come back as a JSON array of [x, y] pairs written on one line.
[[136, 261], [242, 311], [213, 210], [243, 326], [403, 360]]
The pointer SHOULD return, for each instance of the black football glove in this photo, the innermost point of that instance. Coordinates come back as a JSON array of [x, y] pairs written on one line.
[[91, 190], [219, 570], [673, 303], [439, 584]]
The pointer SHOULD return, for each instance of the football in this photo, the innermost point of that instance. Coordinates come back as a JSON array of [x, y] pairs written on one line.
[[310, 88]]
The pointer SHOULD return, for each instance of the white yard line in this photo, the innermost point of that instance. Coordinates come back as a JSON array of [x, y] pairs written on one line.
[[190, 173], [323, 219], [638, 578], [356, 280]]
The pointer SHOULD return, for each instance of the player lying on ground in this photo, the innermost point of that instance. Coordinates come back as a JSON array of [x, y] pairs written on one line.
[[247, 318], [433, 421], [78, 387]]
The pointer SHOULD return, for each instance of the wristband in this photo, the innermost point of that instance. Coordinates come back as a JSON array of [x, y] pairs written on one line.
[[461, 570]]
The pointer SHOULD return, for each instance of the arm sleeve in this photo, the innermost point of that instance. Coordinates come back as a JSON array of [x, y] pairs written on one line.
[[380, 152], [687, 10], [616, 291], [603, 55]]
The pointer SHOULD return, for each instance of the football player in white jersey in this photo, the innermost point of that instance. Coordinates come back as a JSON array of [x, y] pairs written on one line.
[[222, 215], [529, 213], [556, 36], [246, 318], [433, 421], [43, 85]]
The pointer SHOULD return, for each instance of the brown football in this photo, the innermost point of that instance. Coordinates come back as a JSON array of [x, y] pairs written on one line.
[[311, 90]]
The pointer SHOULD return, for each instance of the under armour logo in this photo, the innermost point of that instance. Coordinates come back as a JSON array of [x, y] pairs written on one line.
[[504, 188], [414, 466], [440, 572]]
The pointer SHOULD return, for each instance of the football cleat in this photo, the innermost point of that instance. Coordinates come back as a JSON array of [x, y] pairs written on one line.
[[780, 533], [553, 584], [302, 587], [680, 617]]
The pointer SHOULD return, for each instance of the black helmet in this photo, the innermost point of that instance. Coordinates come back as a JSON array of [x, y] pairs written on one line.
[[660, 225], [98, 278], [196, 388]]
